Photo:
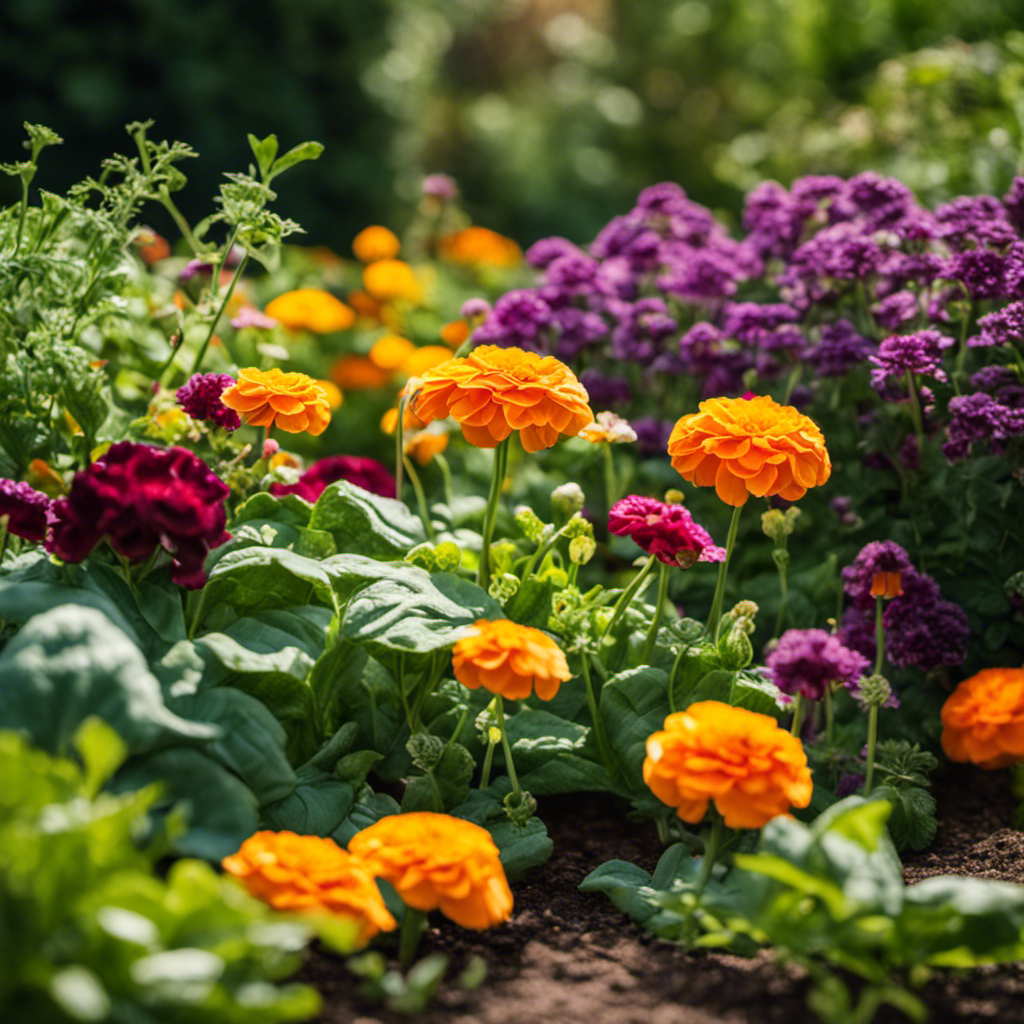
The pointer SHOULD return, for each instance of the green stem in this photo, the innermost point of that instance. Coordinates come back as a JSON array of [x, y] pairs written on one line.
[[421, 498], [783, 597], [458, 728], [517, 790], [599, 731], [446, 477], [3, 536], [485, 771], [791, 383], [198, 617], [491, 512], [723, 569], [829, 716], [710, 853], [413, 925], [186, 232], [872, 740], [652, 633], [961, 355], [610, 483], [879, 637], [223, 305], [400, 446], [798, 714], [21, 214], [626, 597], [915, 411], [672, 677]]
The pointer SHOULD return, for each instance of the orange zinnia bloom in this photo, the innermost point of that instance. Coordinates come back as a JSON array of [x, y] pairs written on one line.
[[453, 334], [358, 373], [512, 660], [749, 446], [392, 279], [493, 391], [983, 719], [295, 402], [438, 862], [310, 875], [480, 246], [375, 243], [743, 761], [391, 351], [422, 359], [311, 309], [333, 393]]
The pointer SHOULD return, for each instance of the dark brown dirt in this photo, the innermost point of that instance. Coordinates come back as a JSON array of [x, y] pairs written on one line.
[[571, 957]]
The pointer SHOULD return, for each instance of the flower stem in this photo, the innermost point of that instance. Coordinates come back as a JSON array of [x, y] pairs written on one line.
[[485, 771], [829, 716], [446, 477], [198, 617], [413, 924], [798, 714], [626, 597], [711, 846], [783, 597], [491, 512], [611, 485], [872, 740], [517, 790], [723, 568], [224, 302], [599, 731], [652, 633], [3, 536], [879, 637], [400, 446], [421, 498], [915, 411]]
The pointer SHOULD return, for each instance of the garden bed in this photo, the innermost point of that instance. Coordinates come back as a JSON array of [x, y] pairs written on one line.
[[573, 957]]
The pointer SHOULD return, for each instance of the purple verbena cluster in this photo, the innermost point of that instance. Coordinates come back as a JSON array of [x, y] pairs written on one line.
[[808, 661]]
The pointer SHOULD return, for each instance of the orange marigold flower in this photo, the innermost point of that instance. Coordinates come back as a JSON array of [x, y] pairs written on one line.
[[512, 660], [455, 333], [292, 401], [887, 584], [493, 391], [375, 243], [983, 719], [311, 309], [425, 444], [358, 373], [743, 761], [410, 421], [333, 393], [310, 875], [422, 359], [365, 305], [391, 351], [480, 246], [392, 279], [749, 446], [438, 862]]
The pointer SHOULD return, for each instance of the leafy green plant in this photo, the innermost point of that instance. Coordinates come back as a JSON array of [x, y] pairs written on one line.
[[92, 935]]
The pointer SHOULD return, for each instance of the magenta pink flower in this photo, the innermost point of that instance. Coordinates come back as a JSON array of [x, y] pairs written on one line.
[[371, 475], [666, 531], [27, 509], [141, 498]]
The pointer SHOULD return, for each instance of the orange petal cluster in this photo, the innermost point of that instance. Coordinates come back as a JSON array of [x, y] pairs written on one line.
[[983, 719], [743, 761], [293, 401], [512, 660], [479, 246], [749, 446], [310, 875], [375, 243], [311, 309], [493, 391], [435, 862], [386, 280]]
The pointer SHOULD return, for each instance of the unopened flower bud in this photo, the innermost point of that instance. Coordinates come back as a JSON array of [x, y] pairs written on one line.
[[874, 691], [425, 750], [581, 550], [887, 585], [504, 587], [270, 448], [519, 814], [579, 527], [778, 525], [567, 499], [423, 556], [735, 647], [530, 523], [674, 496], [447, 556]]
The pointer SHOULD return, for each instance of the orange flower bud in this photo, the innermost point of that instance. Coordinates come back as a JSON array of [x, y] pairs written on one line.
[[512, 660], [391, 351], [479, 246], [983, 719], [392, 279], [887, 585], [375, 243], [455, 333], [357, 373], [311, 309], [438, 862], [295, 402]]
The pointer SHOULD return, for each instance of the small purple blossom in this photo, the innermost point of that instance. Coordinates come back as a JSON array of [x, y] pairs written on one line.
[[604, 390], [28, 511], [518, 319], [1002, 327], [841, 348], [250, 316], [543, 253], [440, 186], [980, 417], [920, 352], [1014, 203], [982, 272], [652, 435], [200, 395], [194, 267], [895, 310], [475, 307], [875, 557], [808, 661]]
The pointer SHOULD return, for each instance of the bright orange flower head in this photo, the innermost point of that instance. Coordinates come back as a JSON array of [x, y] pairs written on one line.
[[749, 446], [513, 660], [358, 373], [438, 862], [392, 279], [375, 243], [311, 309], [983, 719], [391, 351], [454, 333], [479, 246], [310, 875], [292, 401], [743, 761], [424, 358], [333, 393], [493, 391]]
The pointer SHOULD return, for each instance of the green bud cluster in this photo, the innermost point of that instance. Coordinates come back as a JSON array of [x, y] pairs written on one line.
[[778, 525], [425, 750], [504, 587], [567, 499], [532, 525], [443, 557], [581, 550], [873, 691]]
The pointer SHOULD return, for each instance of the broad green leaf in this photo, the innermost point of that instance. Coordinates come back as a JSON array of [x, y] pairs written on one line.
[[547, 754], [296, 155], [102, 752], [317, 807], [365, 522], [369, 808], [264, 507], [71, 663], [626, 885], [520, 847], [261, 578], [634, 704]]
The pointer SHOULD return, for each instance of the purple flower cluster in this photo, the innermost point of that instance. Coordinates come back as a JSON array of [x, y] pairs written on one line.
[[808, 661], [921, 628], [980, 417], [27, 510], [200, 395], [920, 352]]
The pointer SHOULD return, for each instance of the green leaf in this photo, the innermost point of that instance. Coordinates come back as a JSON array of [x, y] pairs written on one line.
[[366, 523], [626, 885], [102, 752], [444, 786], [264, 150], [634, 704], [71, 663], [368, 809], [912, 825], [521, 848], [317, 807], [547, 755], [296, 155], [261, 578]]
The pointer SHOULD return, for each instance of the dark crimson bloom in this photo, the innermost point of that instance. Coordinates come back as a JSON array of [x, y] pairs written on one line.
[[666, 531], [141, 498], [27, 510], [807, 661], [369, 474], [200, 395]]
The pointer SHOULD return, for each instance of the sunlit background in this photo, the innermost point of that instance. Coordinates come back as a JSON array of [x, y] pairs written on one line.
[[551, 114]]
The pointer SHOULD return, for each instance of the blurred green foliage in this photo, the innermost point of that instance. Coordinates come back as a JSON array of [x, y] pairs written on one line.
[[552, 114]]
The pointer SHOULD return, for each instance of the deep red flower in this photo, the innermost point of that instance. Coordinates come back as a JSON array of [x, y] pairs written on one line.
[[26, 508], [666, 531], [369, 474], [141, 498]]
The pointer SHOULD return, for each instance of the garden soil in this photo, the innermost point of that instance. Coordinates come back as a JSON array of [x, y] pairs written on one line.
[[568, 957]]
